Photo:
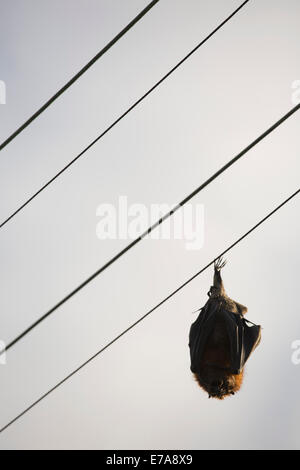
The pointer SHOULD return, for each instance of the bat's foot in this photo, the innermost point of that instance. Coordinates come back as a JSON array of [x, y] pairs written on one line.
[[219, 263]]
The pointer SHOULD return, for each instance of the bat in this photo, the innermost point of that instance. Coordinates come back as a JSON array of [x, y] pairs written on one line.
[[221, 341]]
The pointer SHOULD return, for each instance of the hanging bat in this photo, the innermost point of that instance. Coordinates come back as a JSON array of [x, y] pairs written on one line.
[[221, 341]]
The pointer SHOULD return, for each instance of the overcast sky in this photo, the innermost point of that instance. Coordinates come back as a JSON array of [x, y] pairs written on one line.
[[140, 393]]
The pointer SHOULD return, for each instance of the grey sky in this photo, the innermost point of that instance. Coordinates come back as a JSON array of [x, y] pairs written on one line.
[[140, 392]]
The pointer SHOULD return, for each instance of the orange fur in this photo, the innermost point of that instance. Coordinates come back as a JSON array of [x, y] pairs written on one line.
[[235, 379]]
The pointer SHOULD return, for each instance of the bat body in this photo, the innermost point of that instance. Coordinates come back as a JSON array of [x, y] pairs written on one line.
[[221, 341]]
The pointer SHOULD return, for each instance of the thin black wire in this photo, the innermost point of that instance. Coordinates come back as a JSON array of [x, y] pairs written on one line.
[[78, 75], [155, 225], [149, 312], [121, 117]]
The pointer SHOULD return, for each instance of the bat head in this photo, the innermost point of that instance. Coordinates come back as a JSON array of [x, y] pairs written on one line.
[[219, 383]]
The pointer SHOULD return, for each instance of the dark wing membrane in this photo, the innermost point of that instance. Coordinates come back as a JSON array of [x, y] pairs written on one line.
[[252, 336], [243, 340], [242, 337], [199, 333]]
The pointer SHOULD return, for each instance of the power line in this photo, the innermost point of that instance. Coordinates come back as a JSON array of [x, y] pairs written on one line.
[[121, 116], [148, 313], [78, 75], [155, 225]]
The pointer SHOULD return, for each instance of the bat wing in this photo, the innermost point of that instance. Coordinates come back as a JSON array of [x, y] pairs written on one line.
[[243, 338]]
